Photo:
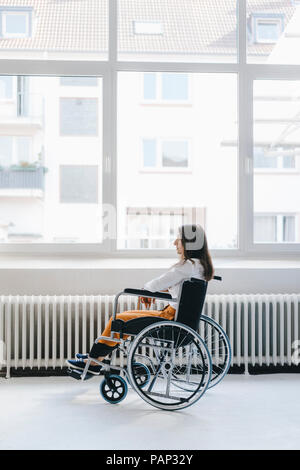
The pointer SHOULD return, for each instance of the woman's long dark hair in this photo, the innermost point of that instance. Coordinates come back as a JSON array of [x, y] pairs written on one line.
[[195, 245]]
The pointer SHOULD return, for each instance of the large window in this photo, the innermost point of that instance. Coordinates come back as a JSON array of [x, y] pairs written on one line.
[[51, 153], [276, 128], [118, 118], [174, 156]]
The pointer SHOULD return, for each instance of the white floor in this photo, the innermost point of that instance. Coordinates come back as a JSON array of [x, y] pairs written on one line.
[[243, 412]]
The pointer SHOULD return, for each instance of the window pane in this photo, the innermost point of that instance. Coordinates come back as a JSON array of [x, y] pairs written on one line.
[[273, 32], [276, 108], [262, 160], [51, 184], [149, 153], [5, 87], [289, 229], [265, 229], [78, 184], [174, 86], [149, 86], [194, 175], [23, 149], [6, 146], [15, 23], [267, 31], [78, 116], [289, 161], [175, 154], [180, 31], [54, 30]]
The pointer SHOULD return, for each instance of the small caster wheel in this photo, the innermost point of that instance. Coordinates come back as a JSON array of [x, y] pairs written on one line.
[[141, 373], [113, 389]]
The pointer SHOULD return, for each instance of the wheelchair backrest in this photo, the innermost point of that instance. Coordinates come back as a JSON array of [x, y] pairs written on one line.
[[191, 301]]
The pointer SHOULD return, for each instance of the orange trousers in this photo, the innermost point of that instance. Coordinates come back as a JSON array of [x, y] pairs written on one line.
[[168, 313]]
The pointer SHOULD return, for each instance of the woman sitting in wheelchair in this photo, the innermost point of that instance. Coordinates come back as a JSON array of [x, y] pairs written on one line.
[[194, 261]]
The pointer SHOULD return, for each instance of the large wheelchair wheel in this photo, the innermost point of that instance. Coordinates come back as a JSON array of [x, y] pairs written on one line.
[[219, 347], [178, 362]]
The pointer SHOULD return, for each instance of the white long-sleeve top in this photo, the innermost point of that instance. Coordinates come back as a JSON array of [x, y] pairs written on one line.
[[172, 279]]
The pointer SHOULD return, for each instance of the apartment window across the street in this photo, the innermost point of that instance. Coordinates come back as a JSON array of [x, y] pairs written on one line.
[[161, 154], [147, 27], [166, 87], [79, 116], [6, 87], [15, 150], [15, 23]]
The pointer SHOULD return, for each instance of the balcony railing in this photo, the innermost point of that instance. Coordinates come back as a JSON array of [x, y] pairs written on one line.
[[32, 178]]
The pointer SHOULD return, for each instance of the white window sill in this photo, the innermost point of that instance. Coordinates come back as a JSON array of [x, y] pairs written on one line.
[[67, 262]]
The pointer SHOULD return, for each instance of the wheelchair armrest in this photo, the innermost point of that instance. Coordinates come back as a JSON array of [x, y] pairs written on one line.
[[147, 293]]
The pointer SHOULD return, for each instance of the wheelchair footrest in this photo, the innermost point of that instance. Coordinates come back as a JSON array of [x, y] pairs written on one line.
[[76, 374]]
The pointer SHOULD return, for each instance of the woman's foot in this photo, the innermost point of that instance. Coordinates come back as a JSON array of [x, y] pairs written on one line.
[[80, 365], [84, 357], [81, 356]]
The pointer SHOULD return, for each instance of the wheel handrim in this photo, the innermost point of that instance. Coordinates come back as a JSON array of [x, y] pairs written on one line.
[[165, 345]]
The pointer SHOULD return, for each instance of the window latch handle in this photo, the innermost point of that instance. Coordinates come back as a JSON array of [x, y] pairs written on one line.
[[107, 164]]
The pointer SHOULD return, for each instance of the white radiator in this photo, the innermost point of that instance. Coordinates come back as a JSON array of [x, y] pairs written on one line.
[[43, 331]]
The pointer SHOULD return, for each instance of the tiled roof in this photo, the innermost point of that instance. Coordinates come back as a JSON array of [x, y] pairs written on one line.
[[190, 26], [193, 26], [66, 25]]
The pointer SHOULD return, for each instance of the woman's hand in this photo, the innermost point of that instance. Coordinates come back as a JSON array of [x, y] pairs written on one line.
[[147, 301]]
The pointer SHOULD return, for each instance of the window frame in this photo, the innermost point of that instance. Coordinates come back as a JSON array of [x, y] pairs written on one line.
[[108, 70]]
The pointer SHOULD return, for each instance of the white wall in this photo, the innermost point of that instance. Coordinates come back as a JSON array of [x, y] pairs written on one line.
[[95, 276]]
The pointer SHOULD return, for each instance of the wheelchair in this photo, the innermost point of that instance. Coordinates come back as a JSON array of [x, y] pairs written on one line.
[[168, 363]]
